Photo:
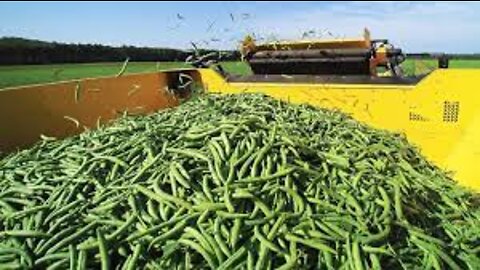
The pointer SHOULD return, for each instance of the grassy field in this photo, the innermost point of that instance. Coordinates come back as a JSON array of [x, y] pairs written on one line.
[[33, 74], [421, 66]]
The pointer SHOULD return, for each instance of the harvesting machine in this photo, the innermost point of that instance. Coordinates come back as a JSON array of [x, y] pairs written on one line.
[[439, 111]]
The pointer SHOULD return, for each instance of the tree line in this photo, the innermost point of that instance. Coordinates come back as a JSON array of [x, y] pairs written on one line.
[[20, 51], [460, 56]]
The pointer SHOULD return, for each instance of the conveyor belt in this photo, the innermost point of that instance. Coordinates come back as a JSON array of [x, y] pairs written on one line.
[[324, 53], [344, 61], [327, 79], [344, 66]]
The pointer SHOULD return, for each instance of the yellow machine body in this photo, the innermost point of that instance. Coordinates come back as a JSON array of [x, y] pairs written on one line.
[[309, 44], [440, 114], [341, 56]]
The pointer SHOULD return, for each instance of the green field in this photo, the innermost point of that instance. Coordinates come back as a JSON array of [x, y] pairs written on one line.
[[33, 74], [421, 66]]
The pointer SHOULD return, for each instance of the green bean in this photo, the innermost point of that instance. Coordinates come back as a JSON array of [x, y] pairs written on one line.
[[13, 265], [331, 233], [170, 233], [227, 201], [160, 226], [445, 257], [214, 167], [24, 234], [124, 68], [398, 203], [211, 241], [17, 251], [107, 205], [200, 239], [336, 160], [235, 232], [7, 258], [357, 256], [353, 202], [132, 263], [28, 211], [290, 264], [259, 221], [247, 156], [317, 234], [102, 246], [336, 229], [179, 178], [226, 142], [375, 262], [259, 156], [202, 218], [314, 244], [173, 185], [236, 216], [72, 256], [207, 133], [267, 177], [161, 196], [266, 242], [208, 206], [77, 92], [245, 165], [189, 152], [206, 189], [378, 250], [66, 241], [44, 246], [328, 260], [145, 168], [299, 204], [380, 236], [58, 265], [218, 238], [18, 201], [239, 254], [386, 203], [52, 257], [199, 249], [218, 150], [152, 210]]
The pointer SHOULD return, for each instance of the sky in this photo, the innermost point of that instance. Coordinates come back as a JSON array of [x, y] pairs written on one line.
[[451, 27]]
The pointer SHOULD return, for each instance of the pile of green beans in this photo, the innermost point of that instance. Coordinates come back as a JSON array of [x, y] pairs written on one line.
[[233, 182]]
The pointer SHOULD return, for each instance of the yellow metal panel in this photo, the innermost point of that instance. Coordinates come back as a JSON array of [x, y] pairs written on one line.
[[338, 43], [27, 112], [315, 44], [425, 112]]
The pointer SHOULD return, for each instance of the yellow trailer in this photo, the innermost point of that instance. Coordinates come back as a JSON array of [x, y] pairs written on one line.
[[438, 112]]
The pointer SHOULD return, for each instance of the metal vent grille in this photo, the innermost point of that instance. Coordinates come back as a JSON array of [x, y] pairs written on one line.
[[450, 111]]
